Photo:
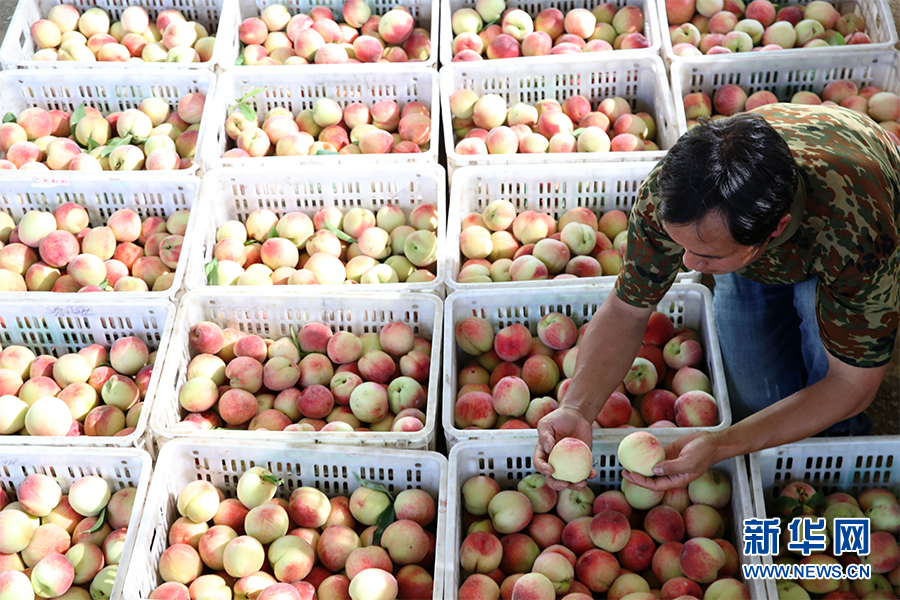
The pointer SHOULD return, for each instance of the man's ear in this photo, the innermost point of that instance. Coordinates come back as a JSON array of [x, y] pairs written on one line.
[[782, 223]]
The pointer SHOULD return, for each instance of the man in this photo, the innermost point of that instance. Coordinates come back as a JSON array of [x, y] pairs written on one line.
[[794, 210]]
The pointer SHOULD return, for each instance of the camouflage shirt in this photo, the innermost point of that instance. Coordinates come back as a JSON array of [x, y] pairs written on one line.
[[845, 232]]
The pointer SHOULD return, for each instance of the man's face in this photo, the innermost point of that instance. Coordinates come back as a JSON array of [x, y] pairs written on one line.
[[709, 247]]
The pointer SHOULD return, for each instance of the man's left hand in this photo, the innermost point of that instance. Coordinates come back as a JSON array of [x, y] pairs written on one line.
[[687, 458]]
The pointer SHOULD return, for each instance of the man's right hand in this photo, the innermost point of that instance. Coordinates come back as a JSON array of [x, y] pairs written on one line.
[[561, 423]]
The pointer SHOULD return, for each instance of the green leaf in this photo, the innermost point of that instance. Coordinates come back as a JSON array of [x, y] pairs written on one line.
[[272, 479], [384, 519], [324, 152], [340, 234], [251, 94], [103, 284], [240, 59], [92, 144], [115, 143], [79, 114], [578, 131], [9, 118], [372, 485], [101, 521], [817, 500], [210, 268], [782, 503], [250, 242], [273, 233], [294, 339], [247, 111]]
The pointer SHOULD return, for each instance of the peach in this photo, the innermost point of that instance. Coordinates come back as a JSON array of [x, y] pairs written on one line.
[[701, 559], [616, 411], [48, 416], [104, 421], [640, 498], [243, 556], [185, 531], [481, 552], [640, 452]]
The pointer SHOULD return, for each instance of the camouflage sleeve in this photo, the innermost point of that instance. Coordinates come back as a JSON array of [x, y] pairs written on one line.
[[651, 259]]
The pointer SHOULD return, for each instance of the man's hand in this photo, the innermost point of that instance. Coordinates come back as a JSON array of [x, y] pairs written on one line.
[[687, 458], [561, 423]]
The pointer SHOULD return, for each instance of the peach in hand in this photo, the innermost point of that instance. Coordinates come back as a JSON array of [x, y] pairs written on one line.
[[640, 452], [571, 460]]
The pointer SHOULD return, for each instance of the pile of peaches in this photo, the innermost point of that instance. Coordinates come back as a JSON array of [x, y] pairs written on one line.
[[698, 27], [56, 545], [800, 500], [730, 99], [331, 247], [67, 34], [511, 379], [368, 546], [278, 38], [97, 391], [486, 125], [151, 136], [315, 380], [491, 30], [534, 542], [327, 128], [60, 252], [500, 245]]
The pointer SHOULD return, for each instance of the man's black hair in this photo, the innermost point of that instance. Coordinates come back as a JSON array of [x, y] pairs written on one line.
[[739, 167]]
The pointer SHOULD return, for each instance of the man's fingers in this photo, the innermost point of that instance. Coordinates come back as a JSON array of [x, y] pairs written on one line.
[[546, 441]]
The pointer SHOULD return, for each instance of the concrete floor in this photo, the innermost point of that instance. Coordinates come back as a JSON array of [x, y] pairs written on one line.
[[885, 409]]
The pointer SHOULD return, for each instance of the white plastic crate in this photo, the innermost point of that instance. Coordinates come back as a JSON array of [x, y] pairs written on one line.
[[332, 469], [146, 193], [830, 465], [298, 90], [509, 462], [217, 16], [641, 80], [547, 190], [108, 92], [425, 12], [273, 315], [70, 323], [533, 7], [120, 467], [235, 193], [687, 304], [879, 26], [770, 71]]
